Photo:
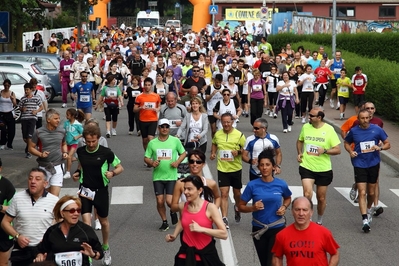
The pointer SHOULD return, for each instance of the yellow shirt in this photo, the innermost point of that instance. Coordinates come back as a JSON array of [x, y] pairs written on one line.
[[93, 43], [226, 143], [343, 90], [52, 49], [64, 47]]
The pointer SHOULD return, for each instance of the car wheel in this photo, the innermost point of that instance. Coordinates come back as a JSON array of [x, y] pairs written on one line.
[[50, 94], [17, 113]]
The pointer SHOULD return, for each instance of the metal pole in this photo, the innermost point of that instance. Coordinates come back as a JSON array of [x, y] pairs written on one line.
[[334, 28], [213, 15], [264, 21]]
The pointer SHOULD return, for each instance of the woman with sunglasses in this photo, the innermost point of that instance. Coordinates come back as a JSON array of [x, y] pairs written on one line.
[[270, 199], [197, 217], [70, 241], [226, 105]]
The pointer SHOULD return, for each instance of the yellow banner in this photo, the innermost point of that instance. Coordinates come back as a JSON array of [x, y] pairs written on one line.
[[241, 14]]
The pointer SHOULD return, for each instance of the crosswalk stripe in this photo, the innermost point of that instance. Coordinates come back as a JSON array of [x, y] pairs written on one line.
[[344, 191], [297, 191], [127, 195], [395, 191]]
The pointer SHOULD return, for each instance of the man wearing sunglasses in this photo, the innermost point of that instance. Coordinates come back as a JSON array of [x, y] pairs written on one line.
[[164, 154], [316, 143], [33, 206]]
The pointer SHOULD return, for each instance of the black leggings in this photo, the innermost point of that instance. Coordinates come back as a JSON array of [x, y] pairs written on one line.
[[132, 117], [286, 113], [265, 244], [256, 109], [8, 129], [322, 93], [111, 112], [306, 100]]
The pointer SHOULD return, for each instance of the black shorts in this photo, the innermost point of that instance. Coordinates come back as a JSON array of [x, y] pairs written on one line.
[[232, 179], [367, 175], [320, 178], [100, 202], [358, 98], [28, 126], [164, 187], [343, 100], [333, 83], [272, 97], [111, 113], [5, 245], [244, 98], [148, 128], [211, 119]]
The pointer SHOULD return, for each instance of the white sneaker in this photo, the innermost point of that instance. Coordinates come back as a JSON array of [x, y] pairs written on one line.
[[332, 103], [97, 224], [113, 132], [107, 257], [271, 114], [338, 105], [73, 104], [285, 131], [274, 115], [67, 175], [341, 116], [108, 135], [303, 120], [64, 105], [130, 132], [267, 112], [2, 147], [289, 128]]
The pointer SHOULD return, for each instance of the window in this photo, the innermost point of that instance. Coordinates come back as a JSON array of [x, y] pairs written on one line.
[[282, 9], [15, 78], [343, 11], [45, 63], [387, 11]]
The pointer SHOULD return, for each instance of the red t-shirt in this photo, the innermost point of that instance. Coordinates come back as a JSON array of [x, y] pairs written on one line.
[[306, 247], [359, 82], [322, 74]]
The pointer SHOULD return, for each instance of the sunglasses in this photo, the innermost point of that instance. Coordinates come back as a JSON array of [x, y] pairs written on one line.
[[310, 115], [164, 126], [257, 128], [73, 210], [226, 94], [191, 161], [370, 108], [196, 71]]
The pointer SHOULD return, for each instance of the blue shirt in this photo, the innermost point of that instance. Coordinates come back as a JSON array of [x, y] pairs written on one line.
[[314, 63], [364, 139], [336, 68], [84, 99], [271, 194]]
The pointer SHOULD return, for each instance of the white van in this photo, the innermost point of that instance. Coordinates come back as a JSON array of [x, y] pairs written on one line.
[[175, 23], [147, 19]]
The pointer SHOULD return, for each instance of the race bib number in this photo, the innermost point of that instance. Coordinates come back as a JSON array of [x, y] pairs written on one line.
[[337, 70], [67, 67], [81, 68], [173, 123], [366, 146], [257, 87], [187, 103], [149, 105], [237, 79], [164, 154], [161, 92], [343, 89], [312, 150], [73, 258], [84, 98], [87, 193], [359, 82], [265, 74], [193, 54], [226, 155], [135, 93], [112, 93]]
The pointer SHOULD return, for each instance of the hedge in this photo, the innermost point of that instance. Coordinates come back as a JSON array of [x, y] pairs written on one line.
[[373, 45], [383, 79]]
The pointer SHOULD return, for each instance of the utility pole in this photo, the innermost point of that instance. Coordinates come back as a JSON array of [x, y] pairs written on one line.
[[264, 21], [334, 28]]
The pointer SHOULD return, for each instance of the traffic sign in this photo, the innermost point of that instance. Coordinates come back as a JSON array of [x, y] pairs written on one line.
[[213, 9], [264, 11], [177, 5]]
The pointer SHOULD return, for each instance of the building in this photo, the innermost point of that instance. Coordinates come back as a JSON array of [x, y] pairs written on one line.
[[387, 10]]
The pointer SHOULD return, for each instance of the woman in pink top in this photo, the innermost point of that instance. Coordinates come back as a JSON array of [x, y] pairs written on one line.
[[196, 218]]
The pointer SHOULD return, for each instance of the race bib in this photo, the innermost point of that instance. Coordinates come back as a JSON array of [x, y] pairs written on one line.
[[67, 67], [193, 54], [149, 105], [226, 155], [343, 89], [112, 93], [257, 87], [366, 146], [81, 68], [73, 258], [265, 74], [173, 123], [164, 154], [135, 93], [359, 82], [237, 79], [337, 70], [161, 92], [312, 150], [87, 193], [84, 98]]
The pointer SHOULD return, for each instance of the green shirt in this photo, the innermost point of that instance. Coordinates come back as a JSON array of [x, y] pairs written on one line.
[[266, 47], [166, 152]]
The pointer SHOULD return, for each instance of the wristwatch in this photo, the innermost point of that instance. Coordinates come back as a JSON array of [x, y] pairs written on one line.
[[16, 236]]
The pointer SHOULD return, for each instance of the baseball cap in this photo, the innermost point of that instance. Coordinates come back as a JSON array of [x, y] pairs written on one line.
[[163, 121], [325, 55], [195, 61]]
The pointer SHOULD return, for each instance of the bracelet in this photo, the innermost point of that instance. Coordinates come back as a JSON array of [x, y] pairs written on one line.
[[95, 255], [277, 165], [285, 206]]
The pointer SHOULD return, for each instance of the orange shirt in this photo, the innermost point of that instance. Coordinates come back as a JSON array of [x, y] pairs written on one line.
[[151, 100]]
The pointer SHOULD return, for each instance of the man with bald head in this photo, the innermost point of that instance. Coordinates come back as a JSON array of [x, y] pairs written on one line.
[[304, 242], [316, 143], [173, 111], [186, 99]]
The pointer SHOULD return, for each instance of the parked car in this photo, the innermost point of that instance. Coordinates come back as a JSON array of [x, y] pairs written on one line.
[[175, 23], [50, 63]]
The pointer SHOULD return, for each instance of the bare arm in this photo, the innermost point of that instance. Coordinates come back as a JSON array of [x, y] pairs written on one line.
[[299, 149], [216, 193], [334, 150], [177, 192], [214, 214], [334, 259], [277, 261]]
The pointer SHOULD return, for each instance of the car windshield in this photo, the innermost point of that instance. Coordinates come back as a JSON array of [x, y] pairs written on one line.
[[147, 22], [175, 24]]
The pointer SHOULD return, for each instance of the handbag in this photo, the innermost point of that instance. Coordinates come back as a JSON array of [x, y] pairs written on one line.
[[97, 80]]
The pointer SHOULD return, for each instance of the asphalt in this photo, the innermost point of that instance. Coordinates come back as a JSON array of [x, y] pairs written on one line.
[[391, 156]]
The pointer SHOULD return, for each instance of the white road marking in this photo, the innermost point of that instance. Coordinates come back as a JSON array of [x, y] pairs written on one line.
[[396, 191], [127, 195], [344, 191], [228, 251]]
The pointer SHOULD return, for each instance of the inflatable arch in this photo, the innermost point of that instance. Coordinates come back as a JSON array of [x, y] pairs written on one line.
[[100, 11], [201, 15]]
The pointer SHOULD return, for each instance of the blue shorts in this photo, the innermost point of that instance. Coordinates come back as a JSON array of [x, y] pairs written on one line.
[[86, 110]]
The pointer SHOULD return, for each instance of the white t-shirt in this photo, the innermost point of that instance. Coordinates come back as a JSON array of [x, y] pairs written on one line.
[[308, 80]]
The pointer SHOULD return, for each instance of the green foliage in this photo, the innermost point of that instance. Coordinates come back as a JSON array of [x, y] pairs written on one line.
[[187, 15], [383, 80], [374, 45], [64, 20]]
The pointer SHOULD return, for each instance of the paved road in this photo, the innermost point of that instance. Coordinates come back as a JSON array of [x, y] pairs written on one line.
[[135, 239]]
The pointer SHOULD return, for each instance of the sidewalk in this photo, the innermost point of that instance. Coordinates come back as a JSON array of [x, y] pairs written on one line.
[[391, 156]]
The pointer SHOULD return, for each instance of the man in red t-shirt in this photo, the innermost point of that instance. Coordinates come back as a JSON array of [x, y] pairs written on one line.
[[305, 242], [359, 84]]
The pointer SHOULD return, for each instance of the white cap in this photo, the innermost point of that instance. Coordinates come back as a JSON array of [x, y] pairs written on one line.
[[163, 121]]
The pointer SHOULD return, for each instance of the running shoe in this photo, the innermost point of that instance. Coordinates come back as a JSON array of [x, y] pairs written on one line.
[[378, 210], [297, 117], [2, 147], [108, 135], [64, 105], [289, 128], [338, 105], [366, 226], [28, 155], [138, 133], [274, 115], [107, 257], [353, 192], [97, 224], [267, 112], [271, 114], [174, 218], [130, 132], [369, 217], [237, 214], [67, 175], [356, 200], [303, 120], [9, 148], [332, 103], [285, 131], [164, 226], [226, 222], [113, 132], [319, 223]]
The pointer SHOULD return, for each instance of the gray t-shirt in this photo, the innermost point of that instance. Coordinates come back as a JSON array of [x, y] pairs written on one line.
[[173, 114], [51, 141]]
